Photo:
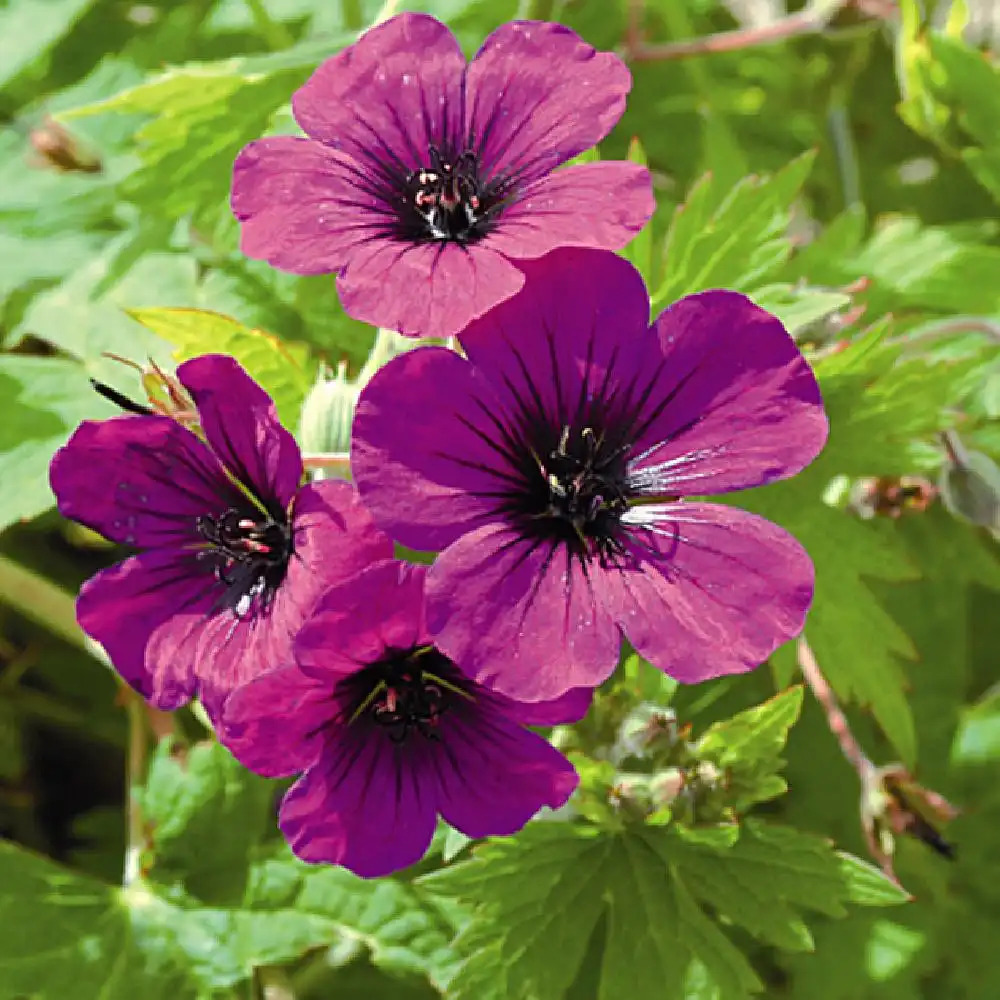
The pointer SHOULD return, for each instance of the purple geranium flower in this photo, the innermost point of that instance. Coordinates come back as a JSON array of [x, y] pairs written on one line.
[[424, 181], [549, 467], [389, 733], [235, 549]]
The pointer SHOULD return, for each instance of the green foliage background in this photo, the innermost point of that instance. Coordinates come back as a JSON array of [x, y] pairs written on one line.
[[847, 179]]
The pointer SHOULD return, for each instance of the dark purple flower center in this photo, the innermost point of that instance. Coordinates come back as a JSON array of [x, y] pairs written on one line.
[[249, 552], [448, 200], [574, 491], [406, 692]]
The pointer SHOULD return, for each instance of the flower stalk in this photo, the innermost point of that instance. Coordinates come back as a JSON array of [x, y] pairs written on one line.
[[812, 19]]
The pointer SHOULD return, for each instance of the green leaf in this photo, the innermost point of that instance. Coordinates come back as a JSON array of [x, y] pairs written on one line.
[[217, 892], [934, 267], [285, 370], [201, 115], [867, 885], [539, 899], [756, 735], [402, 929], [733, 239], [205, 815], [85, 315], [44, 400], [70, 936], [877, 402]]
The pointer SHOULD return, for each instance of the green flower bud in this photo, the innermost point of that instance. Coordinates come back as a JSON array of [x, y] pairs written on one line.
[[327, 413]]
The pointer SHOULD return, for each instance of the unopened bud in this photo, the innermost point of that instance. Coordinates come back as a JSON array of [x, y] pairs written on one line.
[[970, 488], [666, 785], [327, 413], [707, 773], [646, 731], [631, 794]]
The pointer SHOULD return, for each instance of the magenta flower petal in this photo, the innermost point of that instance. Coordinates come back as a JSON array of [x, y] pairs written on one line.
[[498, 775], [364, 623], [236, 551], [698, 569], [402, 735], [274, 723], [420, 179], [587, 423], [539, 95], [727, 364], [147, 612], [388, 97], [429, 504], [521, 618], [111, 475], [360, 807], [591, 204], [588, 315], [412, 288], [569, 707], [292, 193], [241, 426]]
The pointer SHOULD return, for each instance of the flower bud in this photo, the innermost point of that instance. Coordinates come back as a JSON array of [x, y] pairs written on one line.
[[666, 785], [327, 413], [970, 489], [646, 731], [631, 794]]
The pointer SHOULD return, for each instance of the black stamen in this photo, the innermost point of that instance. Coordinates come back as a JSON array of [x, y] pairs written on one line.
[[406, 692], [250, 553], [576, 492], [448, 200]]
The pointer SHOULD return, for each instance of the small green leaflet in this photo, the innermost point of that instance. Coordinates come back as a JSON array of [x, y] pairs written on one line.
[[748, 747]]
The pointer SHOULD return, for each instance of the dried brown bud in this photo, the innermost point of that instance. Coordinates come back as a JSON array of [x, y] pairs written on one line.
[[891, 496], [58, 148], [892, 803]]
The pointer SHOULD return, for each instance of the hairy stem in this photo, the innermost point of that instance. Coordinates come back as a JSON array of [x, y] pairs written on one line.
[[809, 21], [954, 324], [835, 718]]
